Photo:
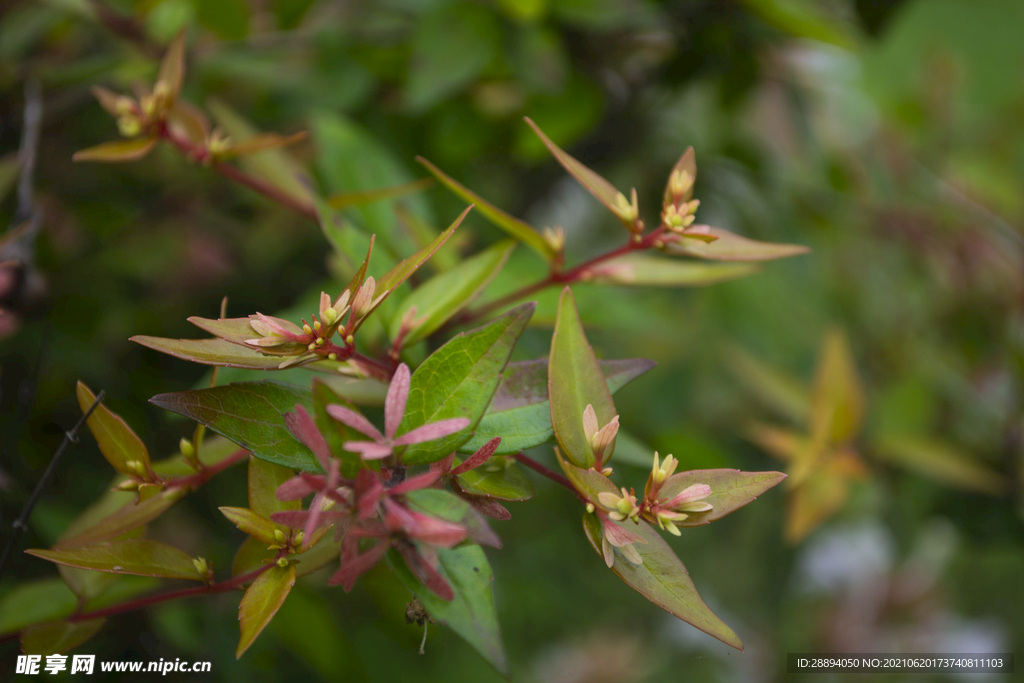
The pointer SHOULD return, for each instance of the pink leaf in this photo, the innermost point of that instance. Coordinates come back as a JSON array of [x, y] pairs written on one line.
[[353, 568], [419, 482], [432, 431], [368, 450], [480, 457], [354, 420], [301, 425], [394, 404]]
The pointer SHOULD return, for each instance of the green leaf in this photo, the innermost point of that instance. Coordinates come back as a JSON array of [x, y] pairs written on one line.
[[264, 478], [444, 295], [458, 380], [117, 151], [118, 443], [335, 433], [211, 352], [663, 580], [35, 601], [520, 413], [643, 270], [451, 46], [130, 516], [520, 230], [252, 415], [445, 505], [575, 380], [133, 556], [730, 490], [471, 614], [588, 482], [254, 524], [343, 200], [837, 399], [401, 272], [274, 165], [503, 483], [732, 247], [939, 462], [260, 603], [56, 637], [778, 390], [604, 191]]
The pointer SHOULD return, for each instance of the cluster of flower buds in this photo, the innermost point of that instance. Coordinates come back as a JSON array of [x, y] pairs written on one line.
[[629, 211], [314, 342], [678, 210], [666, 511], [600, 437]]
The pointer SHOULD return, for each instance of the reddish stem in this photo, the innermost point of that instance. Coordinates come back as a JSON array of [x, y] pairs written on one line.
[[555, 277], [200, 478], [268, 190], [544, 471], [133, 605]]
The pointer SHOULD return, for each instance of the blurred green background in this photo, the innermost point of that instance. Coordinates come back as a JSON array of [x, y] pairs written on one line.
[[888, 135]]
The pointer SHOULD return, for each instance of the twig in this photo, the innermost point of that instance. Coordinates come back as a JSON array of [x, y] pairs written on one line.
[[208, 589], [542, 470], [21, 524]]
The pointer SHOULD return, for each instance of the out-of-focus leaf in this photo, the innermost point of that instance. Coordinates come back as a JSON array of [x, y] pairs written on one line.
[[605, 192], [262, 142], [784, 444], [308, 625], [940, 462], [520, 413], [837, 400], [458, 380], [172, 68], [516, 228], [575, 380], [229, 19], [451, 46], [730, 490], [273, 165], [118, 443], [35, 601], [252, 415], [629, 450], [343, 200], [254, 524], [362, 392], [444, 295], [817, 498], [56, 637], [732, 247], [264, 478], [129, 517], [656, 271], [663, 580], [503, 483], [471, 614], [687, 162], [187, 121], [133, 556], [804, 19], [260, 603], [777, 389], [117, 151]]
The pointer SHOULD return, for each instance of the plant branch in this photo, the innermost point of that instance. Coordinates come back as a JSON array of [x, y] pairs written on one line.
[[200, 478], [544, 471], [575, 274], [208, 589], [21, 524], [200, 154]]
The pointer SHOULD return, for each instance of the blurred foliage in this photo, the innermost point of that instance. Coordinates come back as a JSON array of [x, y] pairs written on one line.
[[883, 133]]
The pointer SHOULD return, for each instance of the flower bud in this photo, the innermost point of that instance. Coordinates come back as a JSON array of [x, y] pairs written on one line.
[[680, 182], [279, 536], [627, 210], [187, 449], [201, 566]]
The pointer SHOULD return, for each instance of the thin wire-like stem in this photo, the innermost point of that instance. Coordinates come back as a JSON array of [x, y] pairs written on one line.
[[21, 524], [208, 589], [544, 471]]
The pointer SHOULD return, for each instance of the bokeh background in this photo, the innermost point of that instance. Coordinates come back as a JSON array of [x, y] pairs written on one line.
[[888, 135]]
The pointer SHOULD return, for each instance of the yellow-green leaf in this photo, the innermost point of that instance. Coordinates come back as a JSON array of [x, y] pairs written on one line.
[[940, 462], [518, 229], [574, 381], [133, 556], [117, 151], [732, 247], [118, 443], [837, 400], [56, 637], [172, 68], [657, 271], [343, 200], [260, 603], [254, 524]]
